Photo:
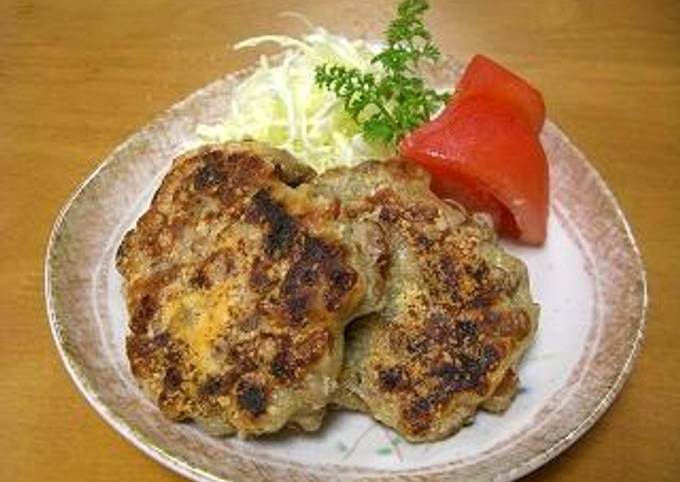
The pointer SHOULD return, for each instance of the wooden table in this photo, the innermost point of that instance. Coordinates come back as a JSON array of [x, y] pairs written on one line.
[[77, 77]]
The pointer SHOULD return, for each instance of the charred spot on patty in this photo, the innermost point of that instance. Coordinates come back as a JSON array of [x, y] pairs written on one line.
[[141, 352], [490, 357], [296, 307], [341, 281], [172, 379], [293, 175], [283, 365], [465, 332], [210, 174], [144, 312], [388, 214], [200, 280], [417, 345], [162, 339], [217, 385], [466, 373], [450, 276], [392, 378], [475, 371], [323, 258], [282, 226], [423, 241], [251, 397], [319, 265], [448, 372], [418, 415]]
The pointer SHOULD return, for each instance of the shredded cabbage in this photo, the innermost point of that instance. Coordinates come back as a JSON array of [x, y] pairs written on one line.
[[281, 104]]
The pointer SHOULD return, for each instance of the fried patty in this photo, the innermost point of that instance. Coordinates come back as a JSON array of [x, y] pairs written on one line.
[[457, 316], [239, 288]]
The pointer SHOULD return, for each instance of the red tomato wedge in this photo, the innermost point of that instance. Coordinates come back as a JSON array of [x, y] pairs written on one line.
[[481, 153], [485, 77]]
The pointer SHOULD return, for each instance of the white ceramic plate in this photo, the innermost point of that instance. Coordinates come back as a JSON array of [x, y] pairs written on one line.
[[588, 279]]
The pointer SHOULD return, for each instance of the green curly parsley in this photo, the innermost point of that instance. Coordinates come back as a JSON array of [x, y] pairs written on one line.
[[390, 105]]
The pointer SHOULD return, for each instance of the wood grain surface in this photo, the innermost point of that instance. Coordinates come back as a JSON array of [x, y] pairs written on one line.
[[77, 77]]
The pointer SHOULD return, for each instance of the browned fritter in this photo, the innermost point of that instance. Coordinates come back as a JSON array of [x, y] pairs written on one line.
[[239, 288], [457, 317]]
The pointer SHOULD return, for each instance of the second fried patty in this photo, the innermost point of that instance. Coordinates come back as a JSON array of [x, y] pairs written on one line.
[[457, 317]]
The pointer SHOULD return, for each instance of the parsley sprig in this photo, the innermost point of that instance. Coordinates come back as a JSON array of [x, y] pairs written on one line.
[[390, 104]]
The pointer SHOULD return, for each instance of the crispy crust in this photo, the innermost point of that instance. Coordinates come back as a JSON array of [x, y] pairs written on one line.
[[458, 313], [238, 289]]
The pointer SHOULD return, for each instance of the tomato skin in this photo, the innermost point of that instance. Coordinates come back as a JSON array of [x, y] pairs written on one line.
[[476, 198], [481, 153], [485, 77]]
